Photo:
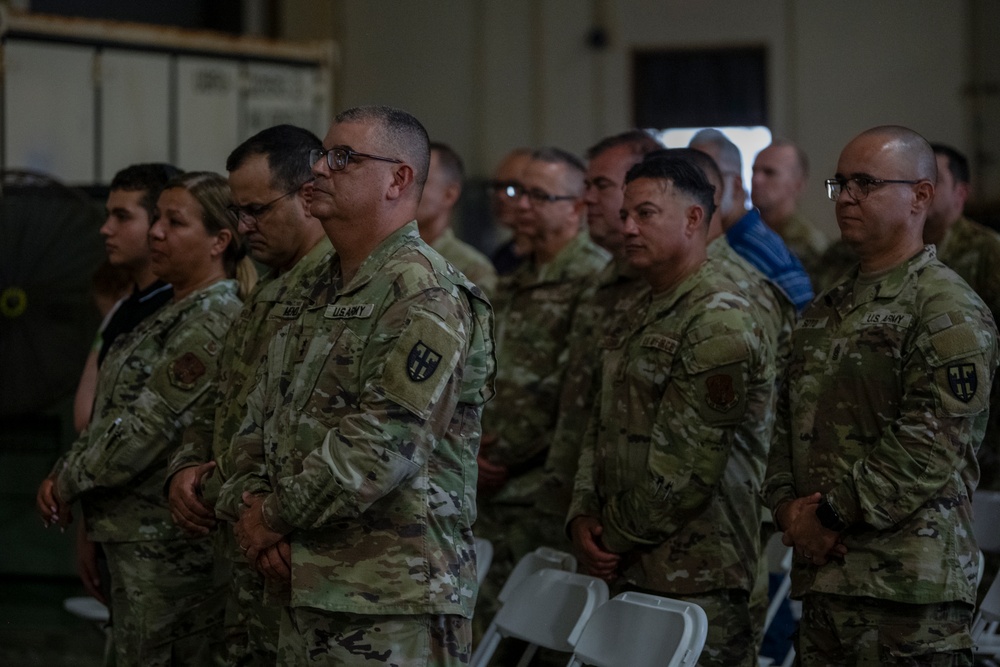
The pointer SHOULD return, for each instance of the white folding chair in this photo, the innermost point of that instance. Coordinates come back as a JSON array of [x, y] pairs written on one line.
[[642, 630], [986, 520], [548, 609], [986, 627], [539, 559], [484, 557], [87, 608]]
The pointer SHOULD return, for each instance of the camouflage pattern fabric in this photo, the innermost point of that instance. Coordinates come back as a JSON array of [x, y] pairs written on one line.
[[777, 313], [422, 640], [883, 408], [166, 599], [151, 384], [534, 306], [476, 266], [806, 242], [838, 260], [364, 424], [674, 453], [867, 632], [972, 251], [165, 603], [606, 308], [275, 302]]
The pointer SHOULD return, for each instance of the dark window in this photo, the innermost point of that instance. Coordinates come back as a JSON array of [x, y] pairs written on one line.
[[700, 88]]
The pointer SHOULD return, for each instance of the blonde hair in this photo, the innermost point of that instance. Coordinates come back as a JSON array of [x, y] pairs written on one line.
[[212, 193]]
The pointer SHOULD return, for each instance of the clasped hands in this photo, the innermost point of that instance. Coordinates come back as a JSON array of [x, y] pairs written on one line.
[[266, 550], [805, 534]]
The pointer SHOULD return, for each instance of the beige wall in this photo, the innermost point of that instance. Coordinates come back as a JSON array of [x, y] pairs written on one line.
[[487, 75]]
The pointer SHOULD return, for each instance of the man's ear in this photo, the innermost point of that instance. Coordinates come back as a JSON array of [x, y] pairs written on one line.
[[306, 193], [923, 195], [402, 180], [451, 194], [693, 220]]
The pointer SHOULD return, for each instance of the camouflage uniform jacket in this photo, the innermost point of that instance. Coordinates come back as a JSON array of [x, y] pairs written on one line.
[[806, 242], [606, 308], [150, 386], [674, 454], [365, 423], [883, 407], [777, 313], [475, 265], [535, 306], [274, 303], [972, 251]]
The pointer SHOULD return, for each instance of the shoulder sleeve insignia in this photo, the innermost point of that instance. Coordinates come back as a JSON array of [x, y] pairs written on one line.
[[721, 394], [421, 362], [186, 369], [962, 381]]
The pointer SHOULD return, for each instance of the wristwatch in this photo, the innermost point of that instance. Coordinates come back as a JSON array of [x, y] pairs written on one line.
[[829, 518]]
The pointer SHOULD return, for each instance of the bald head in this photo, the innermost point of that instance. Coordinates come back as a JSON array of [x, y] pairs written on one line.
[[887, 175], [906, 147]]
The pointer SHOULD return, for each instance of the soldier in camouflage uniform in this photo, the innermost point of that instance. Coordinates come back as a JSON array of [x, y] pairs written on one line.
[[270, 177], [665, 496], [166, 597], [360, 439], [885, 403], [534, 306], [604, 306], [441, 193]]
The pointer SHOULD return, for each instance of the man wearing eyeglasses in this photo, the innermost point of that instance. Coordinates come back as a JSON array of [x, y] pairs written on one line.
[[883, 407], [534, 307], [358, 446], [271, 185], [504, 190]]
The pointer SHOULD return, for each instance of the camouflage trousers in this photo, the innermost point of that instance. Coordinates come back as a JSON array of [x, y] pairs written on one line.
[[314, 637], [846, 630], [252, 618], [166, 603], [730, 640]]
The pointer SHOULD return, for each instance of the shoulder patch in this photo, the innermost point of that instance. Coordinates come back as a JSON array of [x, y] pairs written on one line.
[[421, 363], [186, 370], [963, 381], [720, 392]]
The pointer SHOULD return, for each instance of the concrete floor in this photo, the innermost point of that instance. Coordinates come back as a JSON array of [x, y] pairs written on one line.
[[35, 630]]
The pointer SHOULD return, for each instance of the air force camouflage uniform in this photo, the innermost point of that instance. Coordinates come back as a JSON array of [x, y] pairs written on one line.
[[674, 453], [251, 619], [363, 427], [884, 406], [166, 600]]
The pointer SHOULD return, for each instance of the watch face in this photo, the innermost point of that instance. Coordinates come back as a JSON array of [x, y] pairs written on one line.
[[828, 517]]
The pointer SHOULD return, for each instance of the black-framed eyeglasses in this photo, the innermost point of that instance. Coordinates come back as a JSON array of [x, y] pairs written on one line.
[[253, 212], [507, 189], [538, 196], [338, 157], [858, 187]]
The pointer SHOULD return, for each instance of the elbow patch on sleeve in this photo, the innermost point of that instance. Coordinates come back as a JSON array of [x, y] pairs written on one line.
[[421, 363]]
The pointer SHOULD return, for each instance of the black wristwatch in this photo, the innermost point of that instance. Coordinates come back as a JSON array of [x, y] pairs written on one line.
[[829, 518]]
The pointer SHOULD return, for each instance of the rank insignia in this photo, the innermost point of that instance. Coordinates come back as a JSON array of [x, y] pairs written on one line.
[[186, 370], [421, 362], [721, 394], [962, 381]]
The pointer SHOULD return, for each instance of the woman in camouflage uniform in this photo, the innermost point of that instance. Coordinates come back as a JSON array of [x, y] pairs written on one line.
[[165, 601]]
